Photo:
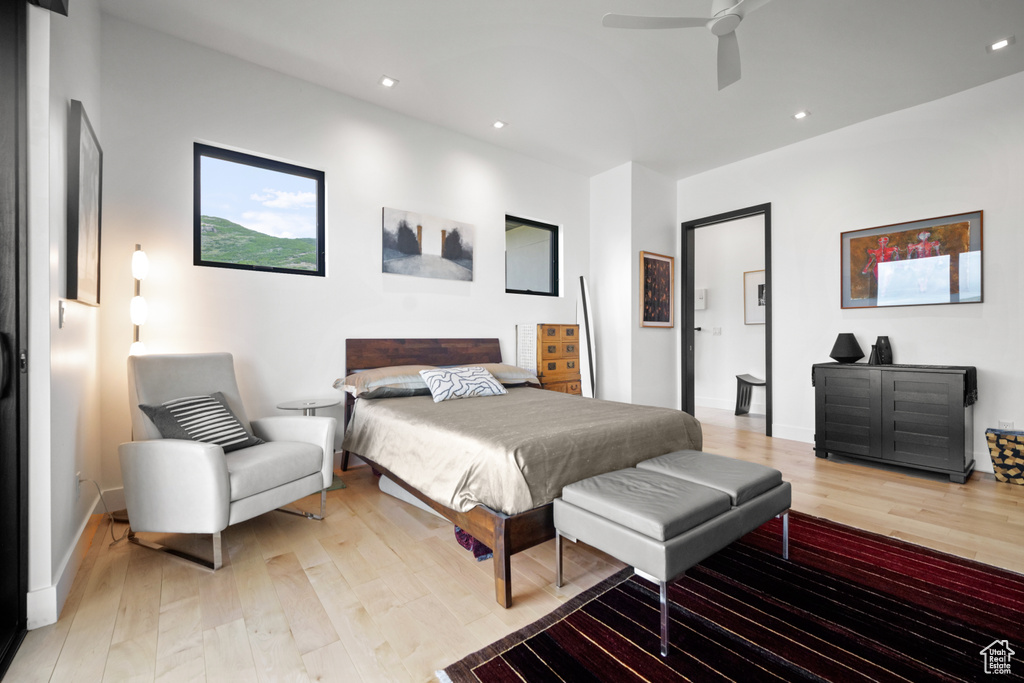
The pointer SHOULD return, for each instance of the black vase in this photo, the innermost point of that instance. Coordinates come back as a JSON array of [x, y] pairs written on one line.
[[846, 349], [873, 358], [884, 351]]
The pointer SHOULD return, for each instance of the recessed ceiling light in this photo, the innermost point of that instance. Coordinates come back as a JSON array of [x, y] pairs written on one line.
[[1000, 44], [388, 82], [499, 124], [801, 115]]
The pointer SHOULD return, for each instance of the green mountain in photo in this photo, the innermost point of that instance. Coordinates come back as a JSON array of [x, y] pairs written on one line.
[[226, 242]]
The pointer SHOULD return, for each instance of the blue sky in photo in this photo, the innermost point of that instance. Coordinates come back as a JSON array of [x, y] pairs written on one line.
[[274, 203]]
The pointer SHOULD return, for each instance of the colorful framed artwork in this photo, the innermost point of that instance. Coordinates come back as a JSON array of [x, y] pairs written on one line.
[[253, 213], [754, 297], [85, 190], [931, 261], [424, 246], [657, 290]]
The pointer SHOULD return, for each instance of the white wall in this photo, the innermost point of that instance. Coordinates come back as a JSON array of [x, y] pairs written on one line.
[[63, 377], [654, 355], [631, 210], [611, 284], [962, 153], [287, 332], [723, 253]]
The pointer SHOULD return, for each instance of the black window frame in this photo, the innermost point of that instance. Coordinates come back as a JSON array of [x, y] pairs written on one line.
[[201, 150], [553, 256]]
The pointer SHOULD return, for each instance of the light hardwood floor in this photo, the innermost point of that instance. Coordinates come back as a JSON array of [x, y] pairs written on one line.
[[381, 591]]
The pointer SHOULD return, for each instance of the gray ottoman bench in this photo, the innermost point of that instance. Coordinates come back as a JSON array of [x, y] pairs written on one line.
[[669, 513]]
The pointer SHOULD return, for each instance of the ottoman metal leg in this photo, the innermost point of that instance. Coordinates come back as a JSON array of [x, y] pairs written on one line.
[[558, 559], [664, 618], [785, 535]]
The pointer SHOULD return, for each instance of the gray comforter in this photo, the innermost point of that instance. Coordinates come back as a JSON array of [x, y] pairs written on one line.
[[512, 452]]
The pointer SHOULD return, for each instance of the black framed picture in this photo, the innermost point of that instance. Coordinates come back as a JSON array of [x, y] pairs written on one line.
[[657, 290], [85, 185], [930, 261], [254, 213]]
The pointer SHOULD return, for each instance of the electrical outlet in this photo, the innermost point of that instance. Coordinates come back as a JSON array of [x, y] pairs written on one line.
[[78, 485], [1006, 424], [716, 331]]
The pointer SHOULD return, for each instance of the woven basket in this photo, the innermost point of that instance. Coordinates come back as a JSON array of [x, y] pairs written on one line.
[[1007, 449]]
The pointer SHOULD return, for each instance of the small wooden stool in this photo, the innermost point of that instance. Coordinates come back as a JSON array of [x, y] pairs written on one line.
[[744, 388]]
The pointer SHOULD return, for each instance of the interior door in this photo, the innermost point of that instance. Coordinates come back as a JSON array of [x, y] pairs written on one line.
[[687, 261], [13, 422]]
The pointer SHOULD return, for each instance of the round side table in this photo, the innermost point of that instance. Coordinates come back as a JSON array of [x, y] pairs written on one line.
[[308, 406]]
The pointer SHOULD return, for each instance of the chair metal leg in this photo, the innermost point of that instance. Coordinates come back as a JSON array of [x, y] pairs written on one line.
[[310, 515], [218, 556], [664, 618]]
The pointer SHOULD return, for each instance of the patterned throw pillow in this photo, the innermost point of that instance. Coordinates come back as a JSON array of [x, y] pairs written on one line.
[[450, 383], [201, 418]]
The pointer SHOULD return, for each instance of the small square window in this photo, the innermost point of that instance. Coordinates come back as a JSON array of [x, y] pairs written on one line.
[[531, 257]]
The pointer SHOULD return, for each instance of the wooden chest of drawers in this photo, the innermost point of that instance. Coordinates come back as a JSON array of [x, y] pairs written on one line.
[[558, 358]]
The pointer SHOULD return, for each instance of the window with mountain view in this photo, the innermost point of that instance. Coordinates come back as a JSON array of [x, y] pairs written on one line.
[[257, 214]]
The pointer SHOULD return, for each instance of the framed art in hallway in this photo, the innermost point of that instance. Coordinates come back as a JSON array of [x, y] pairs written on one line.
[[85, 185], [657, 285], [754, 294], [930, 261], [254, 213]]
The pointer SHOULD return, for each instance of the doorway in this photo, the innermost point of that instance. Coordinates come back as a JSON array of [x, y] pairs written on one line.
[[688, 261], [13, 292]]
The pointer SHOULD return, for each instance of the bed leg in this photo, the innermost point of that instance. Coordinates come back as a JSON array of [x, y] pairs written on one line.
[[502, 566]]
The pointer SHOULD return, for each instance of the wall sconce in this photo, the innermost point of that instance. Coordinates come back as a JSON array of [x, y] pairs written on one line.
[[138, 309]]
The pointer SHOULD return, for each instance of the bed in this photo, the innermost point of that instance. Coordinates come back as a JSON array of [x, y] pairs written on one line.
[[493, 465]]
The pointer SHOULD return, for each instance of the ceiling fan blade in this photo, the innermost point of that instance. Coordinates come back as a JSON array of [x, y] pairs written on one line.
[[745, 7], [629, 21], [728, 59]]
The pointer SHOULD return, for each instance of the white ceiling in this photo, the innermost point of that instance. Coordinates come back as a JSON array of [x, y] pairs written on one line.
[[588, 98]]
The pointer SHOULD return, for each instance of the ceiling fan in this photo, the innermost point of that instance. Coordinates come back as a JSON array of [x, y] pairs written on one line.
[[726, 15]]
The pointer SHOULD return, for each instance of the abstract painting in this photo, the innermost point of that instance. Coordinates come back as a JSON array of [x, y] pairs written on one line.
[[424, 246], [932, 261], [657, 296]]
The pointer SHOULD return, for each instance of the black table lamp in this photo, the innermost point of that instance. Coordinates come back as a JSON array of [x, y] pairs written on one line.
[[846, 349]]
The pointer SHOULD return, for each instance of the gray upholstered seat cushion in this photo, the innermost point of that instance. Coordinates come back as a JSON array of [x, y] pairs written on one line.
[[269, 465], [740, 479], [647, 502]]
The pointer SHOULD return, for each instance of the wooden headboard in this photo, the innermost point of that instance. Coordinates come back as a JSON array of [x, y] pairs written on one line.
[[365, 354]]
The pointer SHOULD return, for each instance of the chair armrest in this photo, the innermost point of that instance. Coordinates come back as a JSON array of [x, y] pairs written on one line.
[[177, 486], [306, 429]]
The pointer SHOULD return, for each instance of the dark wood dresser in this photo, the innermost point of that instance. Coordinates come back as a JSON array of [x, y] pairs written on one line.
[[558, 358], [919, 416]]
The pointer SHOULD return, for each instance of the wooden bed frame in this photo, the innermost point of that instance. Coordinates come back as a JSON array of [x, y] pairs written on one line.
[[505, 534]]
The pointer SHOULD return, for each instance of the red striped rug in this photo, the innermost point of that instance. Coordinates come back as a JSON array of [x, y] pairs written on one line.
[[848, 606]]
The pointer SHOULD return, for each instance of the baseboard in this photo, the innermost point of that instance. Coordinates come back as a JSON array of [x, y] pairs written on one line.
[[802, 434], [43, 606], [114, 499], [728, 404]]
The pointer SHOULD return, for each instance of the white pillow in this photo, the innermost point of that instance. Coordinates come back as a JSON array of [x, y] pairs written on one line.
[[450, 383]]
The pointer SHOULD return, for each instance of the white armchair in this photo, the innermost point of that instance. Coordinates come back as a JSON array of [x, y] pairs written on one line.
[[174, 485]]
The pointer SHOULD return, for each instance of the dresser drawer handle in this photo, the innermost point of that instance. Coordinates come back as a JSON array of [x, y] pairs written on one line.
[[552, 366]]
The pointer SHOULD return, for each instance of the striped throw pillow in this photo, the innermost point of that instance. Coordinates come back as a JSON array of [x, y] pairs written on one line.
[[201, 418], [450, 383]]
